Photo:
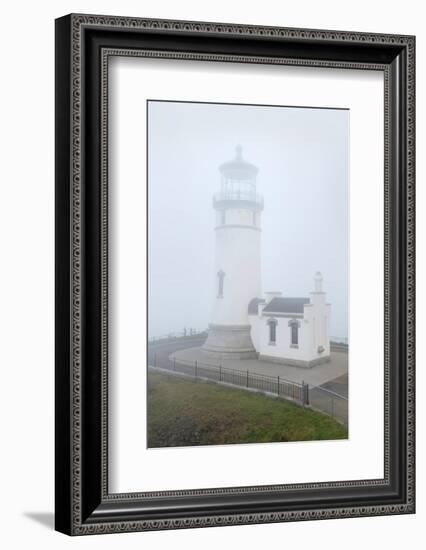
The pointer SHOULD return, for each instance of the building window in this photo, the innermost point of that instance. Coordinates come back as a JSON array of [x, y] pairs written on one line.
[[294, 333], [220, 277], [272, 324], [223, 217]]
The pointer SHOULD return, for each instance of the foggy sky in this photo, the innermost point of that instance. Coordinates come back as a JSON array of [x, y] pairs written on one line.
[[302, 156]]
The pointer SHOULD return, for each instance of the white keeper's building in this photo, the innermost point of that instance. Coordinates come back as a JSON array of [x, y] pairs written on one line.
[[244, 322]]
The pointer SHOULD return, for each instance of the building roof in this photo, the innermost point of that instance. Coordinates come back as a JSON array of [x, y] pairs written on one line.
[[286, 305], [252, 307]]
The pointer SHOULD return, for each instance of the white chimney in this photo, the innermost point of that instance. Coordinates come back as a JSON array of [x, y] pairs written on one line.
[[318, 281]]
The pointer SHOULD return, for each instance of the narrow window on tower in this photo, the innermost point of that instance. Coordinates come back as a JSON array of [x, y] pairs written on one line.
[[223, 217], [254, 218], [294, 333], [220, 277], [272, 324]]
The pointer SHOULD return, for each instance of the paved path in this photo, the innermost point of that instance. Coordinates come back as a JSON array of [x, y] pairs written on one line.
[[338, 385], [319, 375]]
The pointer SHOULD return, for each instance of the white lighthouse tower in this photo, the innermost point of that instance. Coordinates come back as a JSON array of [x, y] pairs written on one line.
[[238, 264]]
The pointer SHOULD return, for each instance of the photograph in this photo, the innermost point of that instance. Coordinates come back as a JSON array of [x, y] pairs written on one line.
[[234, 274], [248, 273]]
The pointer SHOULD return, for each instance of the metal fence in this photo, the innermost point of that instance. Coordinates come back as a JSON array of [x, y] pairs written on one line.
[[242, 378], [172, 336], [329, 402], [315, 397]]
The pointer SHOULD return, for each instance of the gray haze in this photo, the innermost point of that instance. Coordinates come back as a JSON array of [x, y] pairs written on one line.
[[302, 156]]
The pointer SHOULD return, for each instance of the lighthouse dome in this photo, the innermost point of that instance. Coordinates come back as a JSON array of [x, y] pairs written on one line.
[[238, 168]]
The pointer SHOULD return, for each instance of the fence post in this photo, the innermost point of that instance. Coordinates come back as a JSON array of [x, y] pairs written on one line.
[[155, 359], [278, 385], [220, 373], [247, 378], [332, 407], [174, 363], [306, 396], [303, 393], [195, 368]]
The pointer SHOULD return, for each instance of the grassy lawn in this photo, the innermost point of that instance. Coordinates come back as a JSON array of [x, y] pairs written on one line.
[[184, 412]]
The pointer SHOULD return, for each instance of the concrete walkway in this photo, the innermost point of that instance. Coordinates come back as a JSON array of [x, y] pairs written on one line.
[[338, 385], [315, 376]]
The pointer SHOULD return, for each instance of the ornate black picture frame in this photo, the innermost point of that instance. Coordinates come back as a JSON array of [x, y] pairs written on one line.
[[83, 45]]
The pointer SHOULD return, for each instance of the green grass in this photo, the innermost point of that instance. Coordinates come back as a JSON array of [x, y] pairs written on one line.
[[183, 412]]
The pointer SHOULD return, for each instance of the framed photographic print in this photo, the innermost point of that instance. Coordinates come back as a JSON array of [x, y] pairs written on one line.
[[234, 274]]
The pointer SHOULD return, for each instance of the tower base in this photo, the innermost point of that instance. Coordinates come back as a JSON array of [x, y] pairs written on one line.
[[229, 341]]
